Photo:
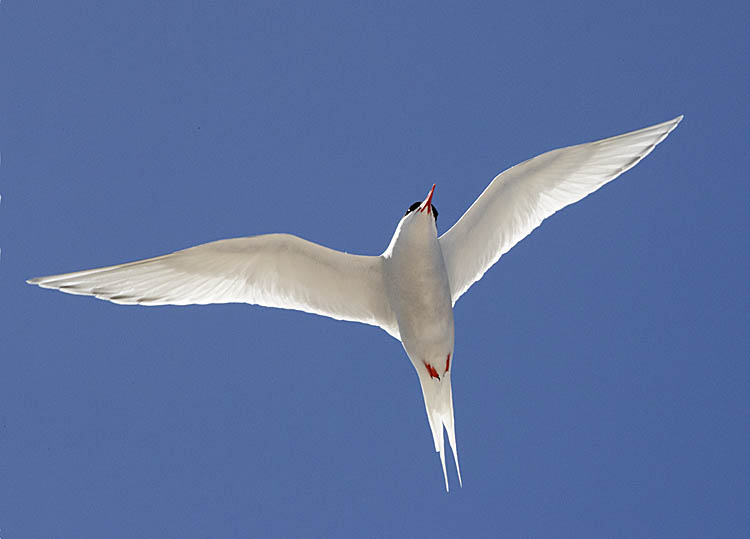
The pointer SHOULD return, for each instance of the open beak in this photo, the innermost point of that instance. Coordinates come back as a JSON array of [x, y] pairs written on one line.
[[427, 204]]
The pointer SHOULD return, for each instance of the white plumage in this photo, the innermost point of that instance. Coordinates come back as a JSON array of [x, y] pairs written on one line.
[[408, 291], [519, 199], [273, 270]]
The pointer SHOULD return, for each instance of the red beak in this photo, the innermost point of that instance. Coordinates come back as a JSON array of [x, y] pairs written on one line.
[[428, 201]]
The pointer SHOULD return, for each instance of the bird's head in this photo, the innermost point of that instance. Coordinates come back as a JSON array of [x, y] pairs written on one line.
[[418, 225], [424, 208]]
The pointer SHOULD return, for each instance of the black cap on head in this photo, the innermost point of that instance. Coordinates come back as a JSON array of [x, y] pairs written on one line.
[[416, 206]]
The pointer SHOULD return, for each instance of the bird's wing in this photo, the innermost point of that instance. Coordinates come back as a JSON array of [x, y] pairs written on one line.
[[519, 199], [274, 270]]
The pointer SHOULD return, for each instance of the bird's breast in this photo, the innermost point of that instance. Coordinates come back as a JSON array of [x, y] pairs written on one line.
[[419, 294]]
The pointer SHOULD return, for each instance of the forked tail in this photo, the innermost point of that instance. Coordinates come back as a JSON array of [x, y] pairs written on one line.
[[438, 400]]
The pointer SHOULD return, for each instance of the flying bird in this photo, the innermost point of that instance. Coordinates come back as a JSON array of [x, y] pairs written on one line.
[[409, 290]]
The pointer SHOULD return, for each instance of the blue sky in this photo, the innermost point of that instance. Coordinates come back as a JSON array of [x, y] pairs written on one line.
[[601, 376]]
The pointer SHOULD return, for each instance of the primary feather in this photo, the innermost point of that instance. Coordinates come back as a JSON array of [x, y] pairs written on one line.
[[273, 270], [519, 199]]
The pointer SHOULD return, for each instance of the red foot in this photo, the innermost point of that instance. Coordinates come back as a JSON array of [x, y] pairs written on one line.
[[431, 370], [447, 363]]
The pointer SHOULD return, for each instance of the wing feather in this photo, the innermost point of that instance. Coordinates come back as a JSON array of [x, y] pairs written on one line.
[[519, 199], [273, 270]]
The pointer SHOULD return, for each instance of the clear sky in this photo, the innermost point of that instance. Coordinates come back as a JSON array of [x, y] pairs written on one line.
[[601, 375]]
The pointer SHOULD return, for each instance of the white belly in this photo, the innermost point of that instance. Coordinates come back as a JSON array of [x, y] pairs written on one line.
[[418, 290]]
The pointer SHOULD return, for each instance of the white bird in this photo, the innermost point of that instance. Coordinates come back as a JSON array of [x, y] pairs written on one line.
[[409, 290]]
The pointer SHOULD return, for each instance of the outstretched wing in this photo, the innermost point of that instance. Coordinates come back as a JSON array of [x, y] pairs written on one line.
[[274, 270], [519, 199]]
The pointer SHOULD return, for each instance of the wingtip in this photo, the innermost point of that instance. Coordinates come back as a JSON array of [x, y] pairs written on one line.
[[671, 125]]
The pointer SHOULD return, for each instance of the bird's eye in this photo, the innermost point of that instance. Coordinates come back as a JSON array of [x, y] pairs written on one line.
[[413, 207], [434, 212]]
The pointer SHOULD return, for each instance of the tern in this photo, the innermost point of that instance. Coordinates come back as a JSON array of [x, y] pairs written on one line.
[[409, 290]]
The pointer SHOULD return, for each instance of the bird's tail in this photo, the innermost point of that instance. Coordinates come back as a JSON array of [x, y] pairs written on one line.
[[438, 400]]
